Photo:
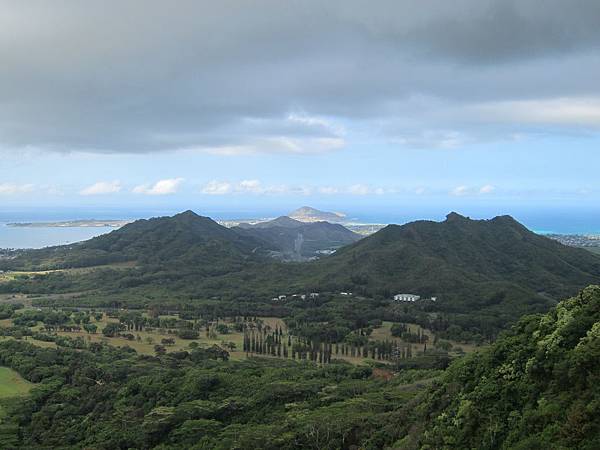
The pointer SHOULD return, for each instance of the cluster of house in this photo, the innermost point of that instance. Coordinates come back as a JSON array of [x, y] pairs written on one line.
[[411, 298], [282, 298]]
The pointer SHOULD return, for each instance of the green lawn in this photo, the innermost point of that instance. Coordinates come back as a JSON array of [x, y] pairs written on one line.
[[12, 384]]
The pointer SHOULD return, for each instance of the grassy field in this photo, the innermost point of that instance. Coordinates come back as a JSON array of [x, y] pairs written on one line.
[[148, 339], [12, 384], [14, 274], [145, 340], [9, 276], [384, 333]]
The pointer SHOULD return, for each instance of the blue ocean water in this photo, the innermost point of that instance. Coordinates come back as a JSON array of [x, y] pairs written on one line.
[[38, 237], [570, 220]]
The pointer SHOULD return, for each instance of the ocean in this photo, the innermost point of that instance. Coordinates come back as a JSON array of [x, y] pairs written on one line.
[[545, 220]]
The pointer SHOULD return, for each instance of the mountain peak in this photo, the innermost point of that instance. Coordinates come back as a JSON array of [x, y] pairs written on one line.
[[187, 213], [455, 217], [285, 221], [505, 218]]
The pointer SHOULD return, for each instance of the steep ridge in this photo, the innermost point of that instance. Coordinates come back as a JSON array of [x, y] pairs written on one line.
[[437, 257]]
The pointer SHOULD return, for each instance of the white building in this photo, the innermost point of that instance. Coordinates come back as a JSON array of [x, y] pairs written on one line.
[[406, 298]]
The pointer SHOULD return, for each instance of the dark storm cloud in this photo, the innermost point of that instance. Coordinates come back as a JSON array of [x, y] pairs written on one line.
[[138, 76]]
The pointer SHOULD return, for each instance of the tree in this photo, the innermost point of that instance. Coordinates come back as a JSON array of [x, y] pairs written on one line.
[[112, 329], [90, 328], [222, 328], [167, 341], [187, 333]]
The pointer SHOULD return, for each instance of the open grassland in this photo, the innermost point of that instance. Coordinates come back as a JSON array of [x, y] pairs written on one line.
[[12, 384], [29, 339], [148, 339], [144, 341], [16, 274], [384, 333]]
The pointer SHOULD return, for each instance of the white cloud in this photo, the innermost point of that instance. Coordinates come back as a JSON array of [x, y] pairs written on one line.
[[12, 188], [463, 190], [52, 189], [460, 191], [161, 187], [280, 144], [217, 188], [566, 111], [487, 189], [102, 188], [253, 186], [329, 190], [317, 122], [358, 189], [438, 139], [256, 187], [363, 189]]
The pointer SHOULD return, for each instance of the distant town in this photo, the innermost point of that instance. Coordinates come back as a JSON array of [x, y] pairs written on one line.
[[577, 240]]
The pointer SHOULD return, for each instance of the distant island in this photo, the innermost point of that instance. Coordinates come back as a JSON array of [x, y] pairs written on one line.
[[93, 223], [309, 214]]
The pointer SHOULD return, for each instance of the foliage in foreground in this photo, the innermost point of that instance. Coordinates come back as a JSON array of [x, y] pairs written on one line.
[[537, 387], [114, 399]]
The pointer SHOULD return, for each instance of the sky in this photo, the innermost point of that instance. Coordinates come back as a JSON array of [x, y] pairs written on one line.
[[237, 105]]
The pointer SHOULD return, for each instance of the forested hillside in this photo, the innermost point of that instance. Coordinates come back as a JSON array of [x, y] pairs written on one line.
[[537, 387], [455, 257], [112, 399]]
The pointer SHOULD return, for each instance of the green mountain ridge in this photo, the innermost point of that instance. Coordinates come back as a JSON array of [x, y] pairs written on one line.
[[433, 256], [535, 388]]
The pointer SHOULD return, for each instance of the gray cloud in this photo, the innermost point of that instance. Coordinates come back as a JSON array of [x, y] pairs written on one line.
[[141, 76]]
